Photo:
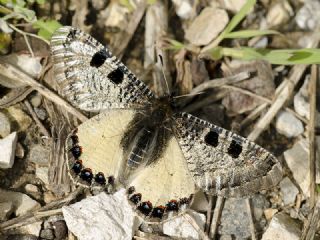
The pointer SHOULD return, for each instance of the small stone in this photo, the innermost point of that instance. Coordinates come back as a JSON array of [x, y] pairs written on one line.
[[41, 113], [5, 127], [39, 155], [22, 203], [48, 197], [60, 230], [269, 212], [200, 202], [289, 191], [207, 26], [43, 174], [7, 150], [235, 219], [301, 100], [19, 151], [20, 117], [31, 188], [279, 14], [180, 227], [6, 209], [47, 234], [36, 100], [282, 227], [33, 228], [184, 8], [234, 5], [288, 124], [298, 162], [308, 17], [103, 216]]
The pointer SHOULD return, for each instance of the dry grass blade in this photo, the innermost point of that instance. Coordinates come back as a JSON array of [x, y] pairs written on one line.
[[216, 217], [13, 73], [14, 96]]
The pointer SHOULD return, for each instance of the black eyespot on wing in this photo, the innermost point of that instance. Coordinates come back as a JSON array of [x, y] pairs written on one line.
[[99, 178], [158, 212], [131, 190], [234, 149], [77, 166], [75, 139], [86, 175], [172, 205], [111, 180], [145, 208], [212, 138], [76, 151], [116, 76], [99, 58], [135, 198]]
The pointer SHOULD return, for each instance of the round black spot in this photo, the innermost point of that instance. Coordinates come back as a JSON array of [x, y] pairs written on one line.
[[131, 190], [135, 198], [76, 151], [172, 205], [234, 149], [212, 138], [158, 212], [86, 175], [116, 76], [77, 166], [145, 208], [74, 139], [99, 178], [111, 180], [99, 58]]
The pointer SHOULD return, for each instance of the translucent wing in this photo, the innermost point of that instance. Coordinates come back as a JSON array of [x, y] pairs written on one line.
[[90, 77], [97, 158], [223, 163]]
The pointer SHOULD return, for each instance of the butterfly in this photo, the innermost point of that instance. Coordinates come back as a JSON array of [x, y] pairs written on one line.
[[142, 142]]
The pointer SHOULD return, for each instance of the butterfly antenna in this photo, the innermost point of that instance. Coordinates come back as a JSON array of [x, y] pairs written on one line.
[[164, 75], [188, 95]]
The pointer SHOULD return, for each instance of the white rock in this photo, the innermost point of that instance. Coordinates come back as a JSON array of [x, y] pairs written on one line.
[[207, 26], [30, 65], [308, 17], [22, 203], [180, 227], [7, 150], [43, 174], [289, 191], [5, 127], [33, 228], [301, 100], [282, 227], [183, 8], [5, 210], [102, 217], [234, 5], [279, 13], [31, 188], [298, 162], [288, 124]]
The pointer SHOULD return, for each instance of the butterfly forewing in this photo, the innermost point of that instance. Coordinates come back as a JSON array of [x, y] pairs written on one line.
[[224, 163], [90, 77]]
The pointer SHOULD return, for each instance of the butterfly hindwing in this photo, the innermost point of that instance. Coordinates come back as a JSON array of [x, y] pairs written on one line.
[[90, 77], [224, 163]]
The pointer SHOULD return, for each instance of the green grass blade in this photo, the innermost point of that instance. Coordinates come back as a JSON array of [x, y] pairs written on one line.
[[249, 33], [246, 8], [283, 56]]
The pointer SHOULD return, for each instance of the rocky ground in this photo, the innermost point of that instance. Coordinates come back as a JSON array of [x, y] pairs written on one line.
[[273, 105]]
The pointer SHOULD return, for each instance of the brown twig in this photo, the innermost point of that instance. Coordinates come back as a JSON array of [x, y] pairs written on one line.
[[36, 119], [11, 72], [311, 133], [216, 216]]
